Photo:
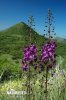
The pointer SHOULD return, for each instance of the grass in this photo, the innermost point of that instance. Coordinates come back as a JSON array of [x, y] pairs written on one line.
[[56, 86]]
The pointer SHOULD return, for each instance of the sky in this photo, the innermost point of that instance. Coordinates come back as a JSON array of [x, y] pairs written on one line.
[[15, 11]]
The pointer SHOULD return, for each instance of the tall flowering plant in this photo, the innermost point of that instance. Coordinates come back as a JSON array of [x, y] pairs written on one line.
[[48, 58], [29, 55], [48, 53], [29, 58]]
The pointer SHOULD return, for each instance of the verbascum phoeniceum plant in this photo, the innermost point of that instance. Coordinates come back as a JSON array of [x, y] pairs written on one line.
[[29, 58], [48, 52], [45, 62], [47, 58]]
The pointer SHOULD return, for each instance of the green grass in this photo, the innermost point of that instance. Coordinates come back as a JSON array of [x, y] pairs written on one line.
[[56, 85]]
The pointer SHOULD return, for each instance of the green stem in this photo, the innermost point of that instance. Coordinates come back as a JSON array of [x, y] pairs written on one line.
[[46, 82], [29, 83], [41, 98]]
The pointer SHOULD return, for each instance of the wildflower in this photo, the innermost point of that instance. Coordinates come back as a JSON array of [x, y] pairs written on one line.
[[25, 67], [48, 54], [48, 51], [29, 55]]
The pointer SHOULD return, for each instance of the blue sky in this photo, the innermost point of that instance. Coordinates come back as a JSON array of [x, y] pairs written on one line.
[[14, 11]]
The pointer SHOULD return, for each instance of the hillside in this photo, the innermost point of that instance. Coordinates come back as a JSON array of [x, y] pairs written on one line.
[[12, 42], [13, 39]]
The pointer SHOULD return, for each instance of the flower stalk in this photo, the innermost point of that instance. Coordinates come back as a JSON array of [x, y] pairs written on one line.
[[46, 82]]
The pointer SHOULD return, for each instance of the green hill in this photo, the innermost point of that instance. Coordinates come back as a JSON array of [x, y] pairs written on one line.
[[13, 40]]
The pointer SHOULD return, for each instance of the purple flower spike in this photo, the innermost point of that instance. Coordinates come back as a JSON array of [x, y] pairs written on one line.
[[48, 51], [48, 54], [29, 55]]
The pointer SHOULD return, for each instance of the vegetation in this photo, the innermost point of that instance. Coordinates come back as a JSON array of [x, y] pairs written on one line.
[[12, 42]]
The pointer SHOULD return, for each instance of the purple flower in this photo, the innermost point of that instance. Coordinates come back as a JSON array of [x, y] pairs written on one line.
[[48, 51], [48, 54], [25, 67], [35, 66], [30, 54]]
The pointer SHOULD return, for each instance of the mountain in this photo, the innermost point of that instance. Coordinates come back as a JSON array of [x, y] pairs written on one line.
[[13, 39], [12, 42], [59, 39]]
